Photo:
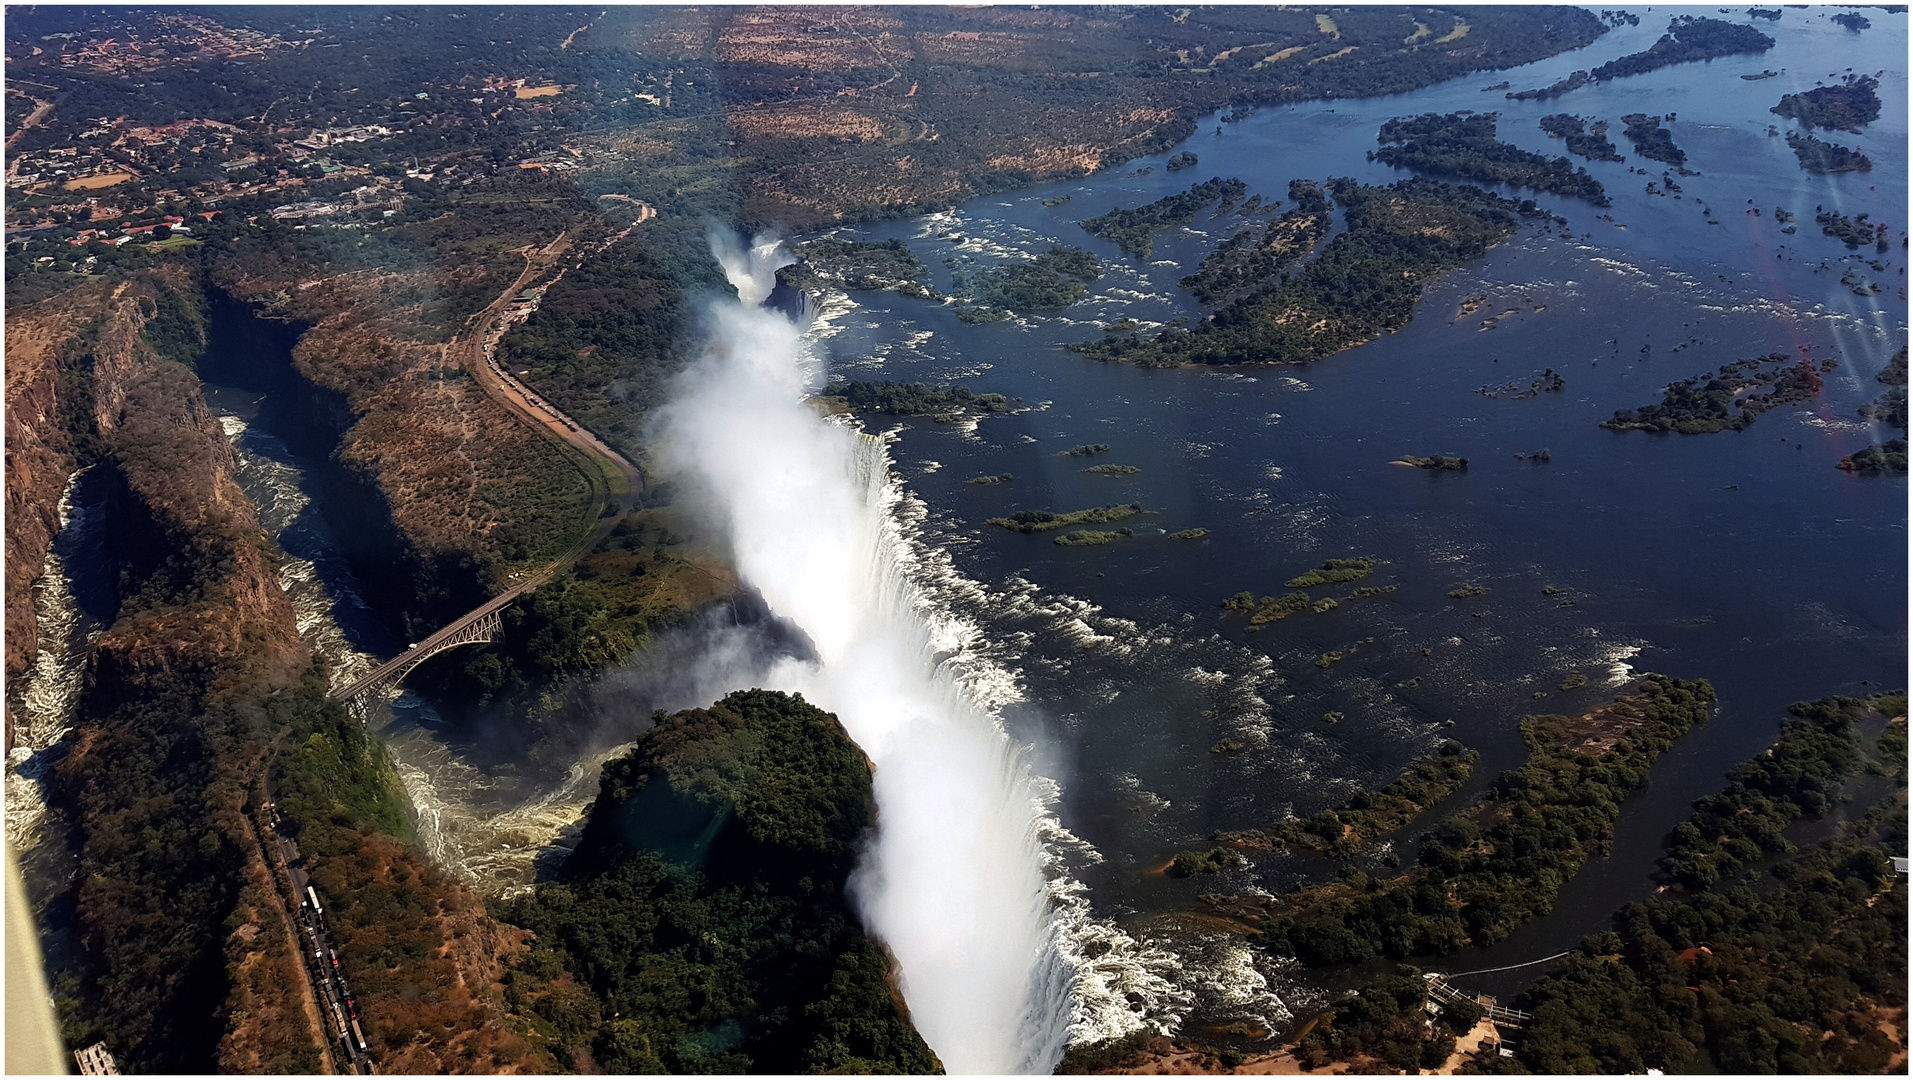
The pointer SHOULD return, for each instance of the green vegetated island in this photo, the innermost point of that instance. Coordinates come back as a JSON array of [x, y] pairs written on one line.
[[911, 399], [1270, 609], [1036, 521], [1847, 106], [1364, 282], [1463, 145], [1762, 958], [1688, 38], [1889, 410], [1586, 138], [1051, 281], [1250, 258], [870, 265], [1855, 231], [1134, 230], [1489, 869], [1434, 462], [701, 925], [1368, 815], [1653, 141], [1821, 157], [1725, 400], [1047, 282]]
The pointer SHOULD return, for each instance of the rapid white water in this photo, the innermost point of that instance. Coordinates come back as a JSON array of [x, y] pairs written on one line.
[[954, 882], [45, 704]]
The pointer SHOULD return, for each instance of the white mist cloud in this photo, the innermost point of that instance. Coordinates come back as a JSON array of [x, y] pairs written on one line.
[[752, 269], [954, 881]]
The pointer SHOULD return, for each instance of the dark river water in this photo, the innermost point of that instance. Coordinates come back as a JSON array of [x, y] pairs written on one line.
[[1746, 558]]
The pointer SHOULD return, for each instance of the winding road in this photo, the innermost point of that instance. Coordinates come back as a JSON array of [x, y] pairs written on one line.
[[616, 481]]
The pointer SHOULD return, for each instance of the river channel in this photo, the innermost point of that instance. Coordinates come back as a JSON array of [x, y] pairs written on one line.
[[1745, 558]]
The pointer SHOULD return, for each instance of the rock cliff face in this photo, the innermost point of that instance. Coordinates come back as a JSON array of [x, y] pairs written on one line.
[[473, 491], [159, 751], [200, 596], [186, 958]]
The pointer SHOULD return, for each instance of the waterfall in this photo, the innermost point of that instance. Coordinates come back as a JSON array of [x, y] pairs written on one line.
[[955, 880]]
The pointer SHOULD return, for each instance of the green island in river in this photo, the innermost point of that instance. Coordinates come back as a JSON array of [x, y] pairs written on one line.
[[1463, 145], [1364, 282], [1803, 972], [1723, 401], [1589, 140], [1848, 106], [1134, 230], [1035, 521], [1493, 867]]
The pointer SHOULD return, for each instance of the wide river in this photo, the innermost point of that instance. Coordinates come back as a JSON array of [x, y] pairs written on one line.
[[1746, 558]]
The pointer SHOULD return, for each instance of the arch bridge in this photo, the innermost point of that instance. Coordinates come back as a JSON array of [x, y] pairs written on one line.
[[479, 625]]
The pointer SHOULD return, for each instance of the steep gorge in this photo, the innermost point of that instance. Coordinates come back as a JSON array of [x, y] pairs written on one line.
[[183, 957]]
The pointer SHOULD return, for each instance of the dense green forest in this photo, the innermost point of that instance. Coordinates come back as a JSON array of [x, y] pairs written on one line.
[[1796, 981], [160, 874], [1134, 229], [1463, 145], [1799, 776], [1688, 38], [1804, 973], [1366, 281], [702, 924], [1367, 815], [1483, 873]]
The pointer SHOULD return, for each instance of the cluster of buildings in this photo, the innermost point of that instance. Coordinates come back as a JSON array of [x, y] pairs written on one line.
[[181, 38]]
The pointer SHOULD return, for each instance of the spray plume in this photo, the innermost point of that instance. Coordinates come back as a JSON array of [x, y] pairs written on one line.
[[953, 883]]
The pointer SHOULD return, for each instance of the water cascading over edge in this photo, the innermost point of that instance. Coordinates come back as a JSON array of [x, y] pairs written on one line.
[[954, 880]]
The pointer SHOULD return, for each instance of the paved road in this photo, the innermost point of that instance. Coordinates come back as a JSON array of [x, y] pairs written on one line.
[[473, 350]]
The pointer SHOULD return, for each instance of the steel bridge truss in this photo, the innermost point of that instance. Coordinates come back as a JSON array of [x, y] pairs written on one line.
[[384, 680]]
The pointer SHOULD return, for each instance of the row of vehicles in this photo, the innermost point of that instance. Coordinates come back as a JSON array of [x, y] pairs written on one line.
[[322, 959]]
